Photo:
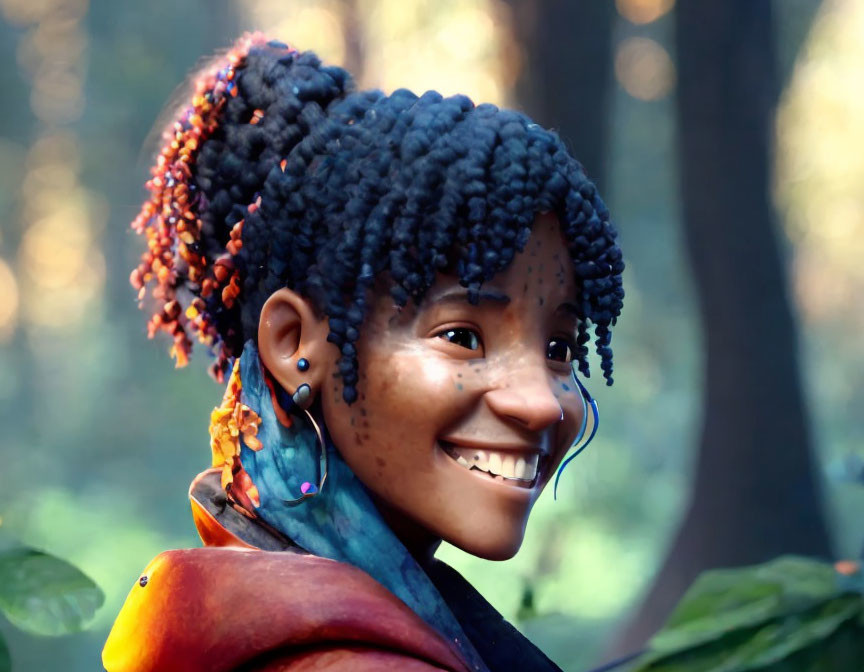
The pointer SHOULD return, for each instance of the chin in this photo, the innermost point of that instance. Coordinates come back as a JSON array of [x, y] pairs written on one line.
[[482, 544]]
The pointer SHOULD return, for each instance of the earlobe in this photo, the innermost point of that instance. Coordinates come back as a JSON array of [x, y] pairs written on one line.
[[292, 341]]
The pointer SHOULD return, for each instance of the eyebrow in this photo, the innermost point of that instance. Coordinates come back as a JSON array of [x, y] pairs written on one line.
[[461, 296]]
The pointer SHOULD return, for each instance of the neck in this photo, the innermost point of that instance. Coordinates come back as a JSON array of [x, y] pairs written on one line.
[[421, 543]]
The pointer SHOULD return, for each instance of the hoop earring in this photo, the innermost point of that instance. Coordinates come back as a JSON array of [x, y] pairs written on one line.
[[308, 489], [288, 403], [587, 400]]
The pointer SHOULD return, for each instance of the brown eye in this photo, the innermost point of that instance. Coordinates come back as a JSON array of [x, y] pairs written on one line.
[[466, 338], [560, 350]]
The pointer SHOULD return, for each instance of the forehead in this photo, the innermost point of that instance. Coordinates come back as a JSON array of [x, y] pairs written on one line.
[[539, 280]]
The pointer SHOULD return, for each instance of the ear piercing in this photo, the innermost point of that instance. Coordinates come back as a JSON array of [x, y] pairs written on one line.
[[303, 396]]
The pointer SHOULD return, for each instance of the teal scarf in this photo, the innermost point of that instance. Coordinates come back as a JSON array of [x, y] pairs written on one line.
[[341, 522]]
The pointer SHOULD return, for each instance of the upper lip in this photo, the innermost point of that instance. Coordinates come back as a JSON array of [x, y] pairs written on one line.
[[502, 446]]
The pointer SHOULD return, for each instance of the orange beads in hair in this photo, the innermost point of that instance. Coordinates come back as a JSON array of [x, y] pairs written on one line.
[[171, 221]]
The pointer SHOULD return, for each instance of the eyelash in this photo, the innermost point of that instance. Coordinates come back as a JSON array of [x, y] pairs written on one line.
[[449, 335]]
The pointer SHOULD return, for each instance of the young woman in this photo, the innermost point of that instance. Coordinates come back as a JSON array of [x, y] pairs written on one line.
[[397, 290]]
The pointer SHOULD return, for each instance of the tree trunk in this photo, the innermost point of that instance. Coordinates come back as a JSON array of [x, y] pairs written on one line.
[[756, 494], [565, 77]]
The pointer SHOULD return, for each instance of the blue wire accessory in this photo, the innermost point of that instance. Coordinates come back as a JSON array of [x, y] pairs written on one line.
[[587, 400]]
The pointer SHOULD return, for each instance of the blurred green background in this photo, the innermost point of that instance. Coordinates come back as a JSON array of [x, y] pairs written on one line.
[[101, 436]]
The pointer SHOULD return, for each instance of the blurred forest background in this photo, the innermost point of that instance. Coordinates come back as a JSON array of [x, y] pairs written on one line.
[[727, 136]]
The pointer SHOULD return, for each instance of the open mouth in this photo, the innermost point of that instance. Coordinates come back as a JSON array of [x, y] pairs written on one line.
[[514, 468]]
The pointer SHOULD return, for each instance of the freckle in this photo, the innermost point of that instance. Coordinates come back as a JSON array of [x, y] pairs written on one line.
[[525, 288], [366, 437], [530, 268], [380, 461], [352, 420], [366, 423], [336, 375], [541, 300], [458, 375], [363, 412], [477, 370], [357, 439]]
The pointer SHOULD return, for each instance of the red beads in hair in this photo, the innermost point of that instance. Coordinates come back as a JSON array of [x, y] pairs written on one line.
[[171, 221]]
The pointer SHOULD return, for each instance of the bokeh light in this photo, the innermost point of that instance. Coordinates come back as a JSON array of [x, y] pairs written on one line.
[[643, 11], [820, 185], [8, 302], [452, 47], [645, 70], [303, 24]]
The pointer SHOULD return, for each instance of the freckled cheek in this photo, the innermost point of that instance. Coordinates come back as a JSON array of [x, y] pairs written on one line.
[[413, 396]]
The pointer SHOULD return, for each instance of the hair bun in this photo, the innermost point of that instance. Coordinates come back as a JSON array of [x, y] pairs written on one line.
[[204, 183]]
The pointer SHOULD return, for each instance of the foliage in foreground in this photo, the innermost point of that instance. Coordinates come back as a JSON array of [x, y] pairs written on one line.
[[792, 614], [43, 595]]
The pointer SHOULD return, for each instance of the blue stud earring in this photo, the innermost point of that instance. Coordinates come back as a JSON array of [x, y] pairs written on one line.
[[302, 364]]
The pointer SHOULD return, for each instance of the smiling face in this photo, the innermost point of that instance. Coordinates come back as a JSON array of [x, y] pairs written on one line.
[[449, 392]]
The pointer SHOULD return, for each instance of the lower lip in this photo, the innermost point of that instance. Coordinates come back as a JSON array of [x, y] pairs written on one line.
[[498, 481]]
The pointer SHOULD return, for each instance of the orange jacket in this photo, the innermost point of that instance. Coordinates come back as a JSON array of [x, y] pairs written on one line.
[[231, 606]]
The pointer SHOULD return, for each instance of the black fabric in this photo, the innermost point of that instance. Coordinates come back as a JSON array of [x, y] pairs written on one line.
[[501, 646]]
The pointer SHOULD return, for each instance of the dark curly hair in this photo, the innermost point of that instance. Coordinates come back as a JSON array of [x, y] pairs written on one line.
[[280, 174]]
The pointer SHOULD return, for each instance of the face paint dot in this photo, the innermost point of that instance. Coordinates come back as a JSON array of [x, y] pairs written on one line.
[[565, 387], [308, 489], [459, 386]]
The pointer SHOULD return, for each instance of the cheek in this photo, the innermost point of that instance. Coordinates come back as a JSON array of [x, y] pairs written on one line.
[[406, 400], [573, 406]]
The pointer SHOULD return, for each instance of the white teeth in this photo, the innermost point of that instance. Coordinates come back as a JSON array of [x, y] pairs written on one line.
[[508, 466], [501, 464], [495, 464], [531, 468], [521, 469]]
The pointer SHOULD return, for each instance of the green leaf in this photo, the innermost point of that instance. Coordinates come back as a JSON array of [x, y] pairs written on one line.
[[724, 600], [817, 643], [770, 644], [5, 660], [45, 595]]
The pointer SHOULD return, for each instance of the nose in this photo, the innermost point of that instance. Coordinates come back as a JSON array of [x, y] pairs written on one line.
[[527, 398]]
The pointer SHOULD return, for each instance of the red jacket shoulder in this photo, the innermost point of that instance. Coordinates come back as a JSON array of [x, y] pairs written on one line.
[[217, 609]]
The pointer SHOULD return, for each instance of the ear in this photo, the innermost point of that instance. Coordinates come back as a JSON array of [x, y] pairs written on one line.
[[288, 331]]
